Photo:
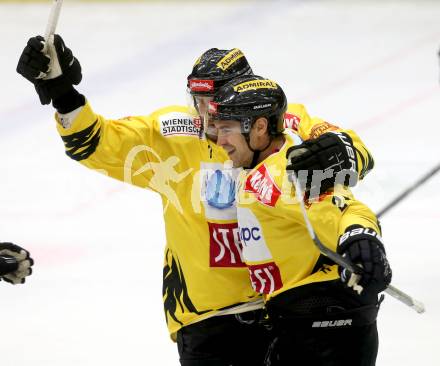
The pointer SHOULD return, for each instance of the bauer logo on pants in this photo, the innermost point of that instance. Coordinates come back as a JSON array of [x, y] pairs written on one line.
[[332, 323]]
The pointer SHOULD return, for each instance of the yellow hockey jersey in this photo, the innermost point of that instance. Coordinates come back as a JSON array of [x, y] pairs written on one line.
[[204, 272], [276, 244]]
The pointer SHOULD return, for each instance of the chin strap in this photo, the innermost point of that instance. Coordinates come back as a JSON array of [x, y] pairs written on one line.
[[255, 157], [257, 153]]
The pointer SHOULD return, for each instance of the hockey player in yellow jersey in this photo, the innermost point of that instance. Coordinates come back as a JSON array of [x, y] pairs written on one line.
[[320, 318], [211, 309]]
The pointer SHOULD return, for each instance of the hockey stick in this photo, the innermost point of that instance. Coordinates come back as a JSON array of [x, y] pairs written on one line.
[[54, 67], [407, 191], [340, 260], [53, 18]]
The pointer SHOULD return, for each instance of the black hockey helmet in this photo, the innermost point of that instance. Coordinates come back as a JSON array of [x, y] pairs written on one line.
[[247, 98], [215, 68]]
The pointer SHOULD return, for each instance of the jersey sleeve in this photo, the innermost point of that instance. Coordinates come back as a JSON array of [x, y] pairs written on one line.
[[123, 149], [358, 213], [336, 212], [308, 127]]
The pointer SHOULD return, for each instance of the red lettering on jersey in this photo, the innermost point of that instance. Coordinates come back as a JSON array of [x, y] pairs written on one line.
[[225, 245], [291, 121], [261, 183], [265, 278], [197, 122]]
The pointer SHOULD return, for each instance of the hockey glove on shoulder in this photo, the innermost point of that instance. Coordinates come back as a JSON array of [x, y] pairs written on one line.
[[35, 66], [15, 263], [363, 247], [328, 160]]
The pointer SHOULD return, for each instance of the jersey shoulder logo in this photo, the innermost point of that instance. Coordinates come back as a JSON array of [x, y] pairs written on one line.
[[177, 124], [291, 121], [321, 128]]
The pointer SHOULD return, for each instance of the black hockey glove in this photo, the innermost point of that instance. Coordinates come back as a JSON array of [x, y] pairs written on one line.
[[15, 263], [327, 160], [34, 65], [363, 246], [7, 264]]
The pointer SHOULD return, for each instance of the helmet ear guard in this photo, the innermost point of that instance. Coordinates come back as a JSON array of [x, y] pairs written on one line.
[[246, 125]]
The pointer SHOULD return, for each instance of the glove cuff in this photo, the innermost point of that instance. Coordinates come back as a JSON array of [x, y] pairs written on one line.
[[69, 101], [7, 264], [356, 233]]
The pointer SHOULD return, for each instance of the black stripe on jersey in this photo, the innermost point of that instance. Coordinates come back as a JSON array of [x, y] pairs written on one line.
[[361, 157], [367, 163], [175, 292], [322, 264], [370, 164], [82, 144]]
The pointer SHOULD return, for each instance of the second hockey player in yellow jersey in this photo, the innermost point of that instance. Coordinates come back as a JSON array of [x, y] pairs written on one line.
[[318, 320]]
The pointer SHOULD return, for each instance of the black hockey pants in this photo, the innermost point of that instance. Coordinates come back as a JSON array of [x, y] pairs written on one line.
[[226, 340], [322, 328]]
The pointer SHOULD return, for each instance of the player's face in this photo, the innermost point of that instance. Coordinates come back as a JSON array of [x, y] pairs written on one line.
[[201, 103], [230, 138]]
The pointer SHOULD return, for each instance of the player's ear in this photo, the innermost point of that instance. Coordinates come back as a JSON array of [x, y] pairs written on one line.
[[261, 126]]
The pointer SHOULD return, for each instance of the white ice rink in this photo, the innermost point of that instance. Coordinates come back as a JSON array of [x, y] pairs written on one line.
[[95, 295]]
